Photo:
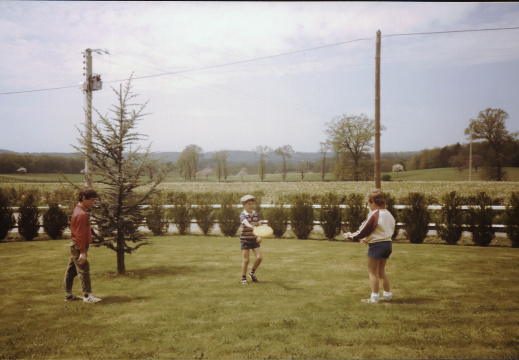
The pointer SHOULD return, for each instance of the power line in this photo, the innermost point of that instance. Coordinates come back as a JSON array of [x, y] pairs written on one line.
[[451, 31], [29, 91], [272, 56]]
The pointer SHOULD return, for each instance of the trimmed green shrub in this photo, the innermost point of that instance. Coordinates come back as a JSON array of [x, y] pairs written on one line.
[[416, 218], [480, 219], [302, 216], [356, 211], [157, 219], [331, 216], [390, 206], [181, 213], [205, 215], [511, 219], [277, 218], [7, 220], [229, 216], [55, 220], [28, 220], [449, 222]]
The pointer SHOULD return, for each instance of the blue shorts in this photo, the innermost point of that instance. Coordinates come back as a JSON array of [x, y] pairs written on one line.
[[247, 245], [380, 249]]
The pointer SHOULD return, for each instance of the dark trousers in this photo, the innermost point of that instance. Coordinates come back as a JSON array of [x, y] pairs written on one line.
[[74, 269]]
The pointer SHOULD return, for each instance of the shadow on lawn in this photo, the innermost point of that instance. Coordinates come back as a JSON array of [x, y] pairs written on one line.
[[122, 299], [414, 301], [156, 271]]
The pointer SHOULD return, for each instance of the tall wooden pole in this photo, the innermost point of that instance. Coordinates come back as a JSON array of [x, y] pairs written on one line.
[[378, 184], [88, 115]]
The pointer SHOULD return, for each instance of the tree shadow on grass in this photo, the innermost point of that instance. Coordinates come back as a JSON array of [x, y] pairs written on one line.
[[413, 301], [122, 299], [282, 285], [161, 271]]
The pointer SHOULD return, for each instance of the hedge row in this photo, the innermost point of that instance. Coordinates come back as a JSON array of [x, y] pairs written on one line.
[[415, 218]]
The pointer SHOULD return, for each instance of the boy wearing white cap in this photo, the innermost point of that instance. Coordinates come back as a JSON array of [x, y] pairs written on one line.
[[249, 219]]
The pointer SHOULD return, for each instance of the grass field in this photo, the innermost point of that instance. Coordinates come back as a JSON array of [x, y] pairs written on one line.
[[182, 299]]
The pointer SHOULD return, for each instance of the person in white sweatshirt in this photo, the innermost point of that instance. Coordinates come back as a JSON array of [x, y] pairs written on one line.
[[376, 232]]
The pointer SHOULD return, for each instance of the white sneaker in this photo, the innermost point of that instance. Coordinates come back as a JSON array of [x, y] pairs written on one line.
[[91, 299], [370, 300], [387, 297], [72, 297]]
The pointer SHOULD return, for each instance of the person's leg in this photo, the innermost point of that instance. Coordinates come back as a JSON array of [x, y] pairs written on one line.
[[245, 263], [373, 268], [382, 275], [83, 271], [257, 262], [70, 274], [259, 258]]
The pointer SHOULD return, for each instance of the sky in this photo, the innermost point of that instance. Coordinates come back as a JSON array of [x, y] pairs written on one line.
[[237, 75]]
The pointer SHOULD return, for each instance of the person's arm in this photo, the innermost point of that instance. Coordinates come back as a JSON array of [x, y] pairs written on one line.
[[366, 228], [247, 223], [244, 221]]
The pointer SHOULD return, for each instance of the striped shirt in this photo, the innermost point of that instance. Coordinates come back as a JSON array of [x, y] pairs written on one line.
[[379, 226], [246, 232]]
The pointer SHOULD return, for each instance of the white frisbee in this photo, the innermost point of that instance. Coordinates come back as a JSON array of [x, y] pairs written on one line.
[[263, 231]]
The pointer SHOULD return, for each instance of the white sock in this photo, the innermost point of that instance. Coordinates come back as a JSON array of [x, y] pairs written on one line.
[[390, 294], [375, 296]]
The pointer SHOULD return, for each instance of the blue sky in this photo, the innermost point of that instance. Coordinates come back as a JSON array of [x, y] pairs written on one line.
[[431, 84]]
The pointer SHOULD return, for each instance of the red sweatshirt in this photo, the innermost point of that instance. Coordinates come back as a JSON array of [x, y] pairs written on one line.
[[80, 228]]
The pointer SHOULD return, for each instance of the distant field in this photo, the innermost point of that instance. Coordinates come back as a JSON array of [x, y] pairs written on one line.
[[446, 174], [402, 184]]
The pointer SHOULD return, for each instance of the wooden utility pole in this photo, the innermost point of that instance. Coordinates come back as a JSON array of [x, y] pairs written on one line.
[[92, 83], [378, 183], [88, 113]]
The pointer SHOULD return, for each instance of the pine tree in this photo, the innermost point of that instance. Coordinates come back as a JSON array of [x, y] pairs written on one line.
[[119, 160]]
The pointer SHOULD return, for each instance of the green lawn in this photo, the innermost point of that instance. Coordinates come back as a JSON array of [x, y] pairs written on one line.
[[182, 299]]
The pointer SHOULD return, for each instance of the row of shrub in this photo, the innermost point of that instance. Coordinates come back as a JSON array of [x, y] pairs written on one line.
[[55, 219], [451, 220], [66, 195]]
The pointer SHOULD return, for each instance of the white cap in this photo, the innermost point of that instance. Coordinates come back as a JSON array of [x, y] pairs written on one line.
[[247, 198]]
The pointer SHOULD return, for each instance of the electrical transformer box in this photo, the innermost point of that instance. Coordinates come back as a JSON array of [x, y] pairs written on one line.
[[97, 84]]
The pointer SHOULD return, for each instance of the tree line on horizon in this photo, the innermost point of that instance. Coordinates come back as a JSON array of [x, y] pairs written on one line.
[[344, 153]]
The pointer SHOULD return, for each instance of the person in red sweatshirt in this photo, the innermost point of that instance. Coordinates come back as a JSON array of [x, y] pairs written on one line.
[[81, 238], [376, 232]]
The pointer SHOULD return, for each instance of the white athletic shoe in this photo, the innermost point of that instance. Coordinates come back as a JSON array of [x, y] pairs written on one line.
[[90, 298], [370, 300], [387, 297]]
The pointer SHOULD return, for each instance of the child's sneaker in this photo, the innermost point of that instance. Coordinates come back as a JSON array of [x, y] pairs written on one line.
[[72, 297], [90, 298], [252, 276], [387, 297], [244, 282], [370, 300]]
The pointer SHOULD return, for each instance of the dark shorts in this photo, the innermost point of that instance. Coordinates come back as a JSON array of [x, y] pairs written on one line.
[[248, 245], [380, 250]]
